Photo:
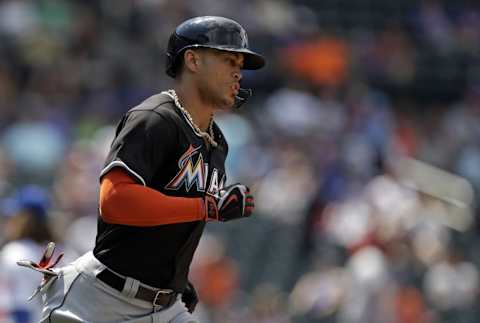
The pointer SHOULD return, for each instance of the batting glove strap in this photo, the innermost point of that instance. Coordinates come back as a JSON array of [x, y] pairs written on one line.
[[235, 202]]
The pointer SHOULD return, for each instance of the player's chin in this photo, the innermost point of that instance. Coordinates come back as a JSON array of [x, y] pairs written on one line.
[[228, 102]]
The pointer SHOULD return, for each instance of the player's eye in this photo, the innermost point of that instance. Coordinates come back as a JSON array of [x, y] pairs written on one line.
[[236, 63], [233, 61]]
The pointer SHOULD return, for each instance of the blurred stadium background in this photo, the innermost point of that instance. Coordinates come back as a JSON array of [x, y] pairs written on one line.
[[362, 143]]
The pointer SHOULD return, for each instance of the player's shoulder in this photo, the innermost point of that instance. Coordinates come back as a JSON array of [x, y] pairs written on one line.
[[160, 104], [158, 108]]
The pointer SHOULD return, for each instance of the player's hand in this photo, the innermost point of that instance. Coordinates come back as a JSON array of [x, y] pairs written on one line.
[[234, 202], [190, 297]]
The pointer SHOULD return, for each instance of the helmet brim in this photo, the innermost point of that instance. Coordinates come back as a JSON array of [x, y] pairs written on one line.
[[251, 60]]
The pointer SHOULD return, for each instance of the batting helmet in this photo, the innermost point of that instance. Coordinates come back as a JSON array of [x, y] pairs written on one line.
[[210, 32]]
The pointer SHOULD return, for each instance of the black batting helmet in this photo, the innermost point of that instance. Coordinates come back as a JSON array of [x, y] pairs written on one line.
[[210, 32]]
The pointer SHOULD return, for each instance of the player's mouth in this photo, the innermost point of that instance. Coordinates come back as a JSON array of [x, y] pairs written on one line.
[[235, 87]]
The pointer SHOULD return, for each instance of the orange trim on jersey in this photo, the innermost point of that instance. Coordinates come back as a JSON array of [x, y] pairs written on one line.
[[124, 201]]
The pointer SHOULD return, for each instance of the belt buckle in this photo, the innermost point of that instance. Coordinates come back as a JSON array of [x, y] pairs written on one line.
[[159, 293]]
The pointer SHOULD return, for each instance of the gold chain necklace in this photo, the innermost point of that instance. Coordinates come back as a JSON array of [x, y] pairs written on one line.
[[208, 136]]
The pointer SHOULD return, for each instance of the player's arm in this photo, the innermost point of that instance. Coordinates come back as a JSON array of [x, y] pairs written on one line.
[[144, 142], [124, 201]]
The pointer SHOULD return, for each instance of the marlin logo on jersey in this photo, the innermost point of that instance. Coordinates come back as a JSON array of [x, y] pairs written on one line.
[[194, 171], [191, 172]]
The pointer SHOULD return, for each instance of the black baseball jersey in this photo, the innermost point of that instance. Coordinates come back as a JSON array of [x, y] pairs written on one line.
[[158, 146]]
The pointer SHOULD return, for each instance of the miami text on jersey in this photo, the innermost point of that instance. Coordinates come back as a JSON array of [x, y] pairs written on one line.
[[194, 171]]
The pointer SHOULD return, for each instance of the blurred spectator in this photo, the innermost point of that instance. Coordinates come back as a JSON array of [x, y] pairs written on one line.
[[35, 147], [27, 233], [322, 61], [319, 294], [287, 203], [410, 306], [435, 24], [267, 306], [215, 276], [452, 284], [370, 290]]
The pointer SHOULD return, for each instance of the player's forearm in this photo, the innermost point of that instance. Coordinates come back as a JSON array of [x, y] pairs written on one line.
[[123, 201]]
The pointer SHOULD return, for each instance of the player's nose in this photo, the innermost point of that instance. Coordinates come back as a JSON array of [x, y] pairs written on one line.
[[237, 75]]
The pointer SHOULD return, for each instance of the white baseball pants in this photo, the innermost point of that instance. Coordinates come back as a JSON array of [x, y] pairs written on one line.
[[78, 296]]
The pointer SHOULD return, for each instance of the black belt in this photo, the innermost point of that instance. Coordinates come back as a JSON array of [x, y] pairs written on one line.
[[159, 297]]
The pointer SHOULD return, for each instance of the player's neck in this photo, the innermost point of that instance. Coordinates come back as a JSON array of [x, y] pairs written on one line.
[[192, 102]]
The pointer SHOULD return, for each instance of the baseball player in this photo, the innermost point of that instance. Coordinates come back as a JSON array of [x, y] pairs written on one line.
[[164, 177]]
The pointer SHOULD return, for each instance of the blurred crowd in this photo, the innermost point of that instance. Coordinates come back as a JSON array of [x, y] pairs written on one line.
[[361, 143]]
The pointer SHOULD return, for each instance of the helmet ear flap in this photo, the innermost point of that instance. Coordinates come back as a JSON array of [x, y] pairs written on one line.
[[170, 62], [174, 64], [174, 58]]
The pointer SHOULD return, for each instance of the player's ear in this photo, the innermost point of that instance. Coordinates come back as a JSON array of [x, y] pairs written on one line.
[[191, 60]]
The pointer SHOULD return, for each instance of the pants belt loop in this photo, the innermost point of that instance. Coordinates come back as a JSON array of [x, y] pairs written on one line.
[[131, 287]]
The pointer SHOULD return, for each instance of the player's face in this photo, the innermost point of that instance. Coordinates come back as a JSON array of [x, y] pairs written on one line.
[[220, 77]]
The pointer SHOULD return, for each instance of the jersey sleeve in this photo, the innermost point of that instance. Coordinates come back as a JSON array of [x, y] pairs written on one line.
[[144, 140], [123, 201]]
